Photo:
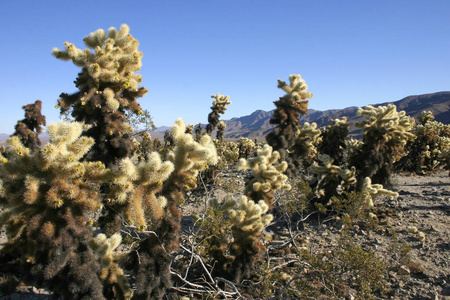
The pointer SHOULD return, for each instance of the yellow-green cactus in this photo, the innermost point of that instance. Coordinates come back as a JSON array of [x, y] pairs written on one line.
[[267, 174], [218, 108], [286, 118], [46, 196], [115, 59], [330, 177], [136, 185], [190, 156], [108, 88], [116, 285], [370, 191], [246, 220], [385, 133]]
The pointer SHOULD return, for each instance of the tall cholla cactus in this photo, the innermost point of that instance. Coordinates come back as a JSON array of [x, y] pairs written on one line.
[[386, 132], [249, 220], [330, 177], [46, 196], [286, 118], [150, 263], [218, 108], [108, 86], [29, 128], [267, 175]]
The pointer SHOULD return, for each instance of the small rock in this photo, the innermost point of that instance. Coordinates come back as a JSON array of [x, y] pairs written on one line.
[[403, 270]]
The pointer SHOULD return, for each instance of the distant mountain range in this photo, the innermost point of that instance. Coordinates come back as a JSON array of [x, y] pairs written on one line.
[[257, 124]]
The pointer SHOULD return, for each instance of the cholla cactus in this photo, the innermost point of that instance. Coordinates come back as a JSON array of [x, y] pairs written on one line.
[[330, 178], [108, 86], [246, 220], [286, 117], [445, 156], [370, 191], [334, 140], [425, 117], [305, 144], [425, 151], [267, 174], [46, 196], [386, 132], [116, 285], [150, 263], [29, 128], [218, 108], [220, 130], [135, 186], [246, 147]]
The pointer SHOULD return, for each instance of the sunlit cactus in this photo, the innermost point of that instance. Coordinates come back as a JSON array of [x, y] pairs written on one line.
[[135, 187], [267, 175], [333, 140], [116, 285], [286, 118], [331, 177], [218, 108], [150, 263], [385, 133], [246, 147], [248, 220], [108, 86], [46, 196], [424, 153], [370, 191]]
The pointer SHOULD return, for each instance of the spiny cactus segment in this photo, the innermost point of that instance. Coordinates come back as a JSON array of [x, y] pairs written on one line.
[[29, 128], [218, 108], [286, 118], [267, 174], [46, 196], [108, 86]]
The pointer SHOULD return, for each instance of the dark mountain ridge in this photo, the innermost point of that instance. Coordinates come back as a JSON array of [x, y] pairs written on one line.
[[257, 124]]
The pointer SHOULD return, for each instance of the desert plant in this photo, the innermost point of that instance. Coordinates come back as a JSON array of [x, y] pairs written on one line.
[[108, 88], [333, 140], [46, 196], [267, 175], [29, 128], [150, 262], [286, 118], [425, 151], [385, 133], [331, 179], [218, 108], [235, 227], [220, 130]]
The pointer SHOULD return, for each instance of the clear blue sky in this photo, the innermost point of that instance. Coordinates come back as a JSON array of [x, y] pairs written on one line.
[[351, 53]]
